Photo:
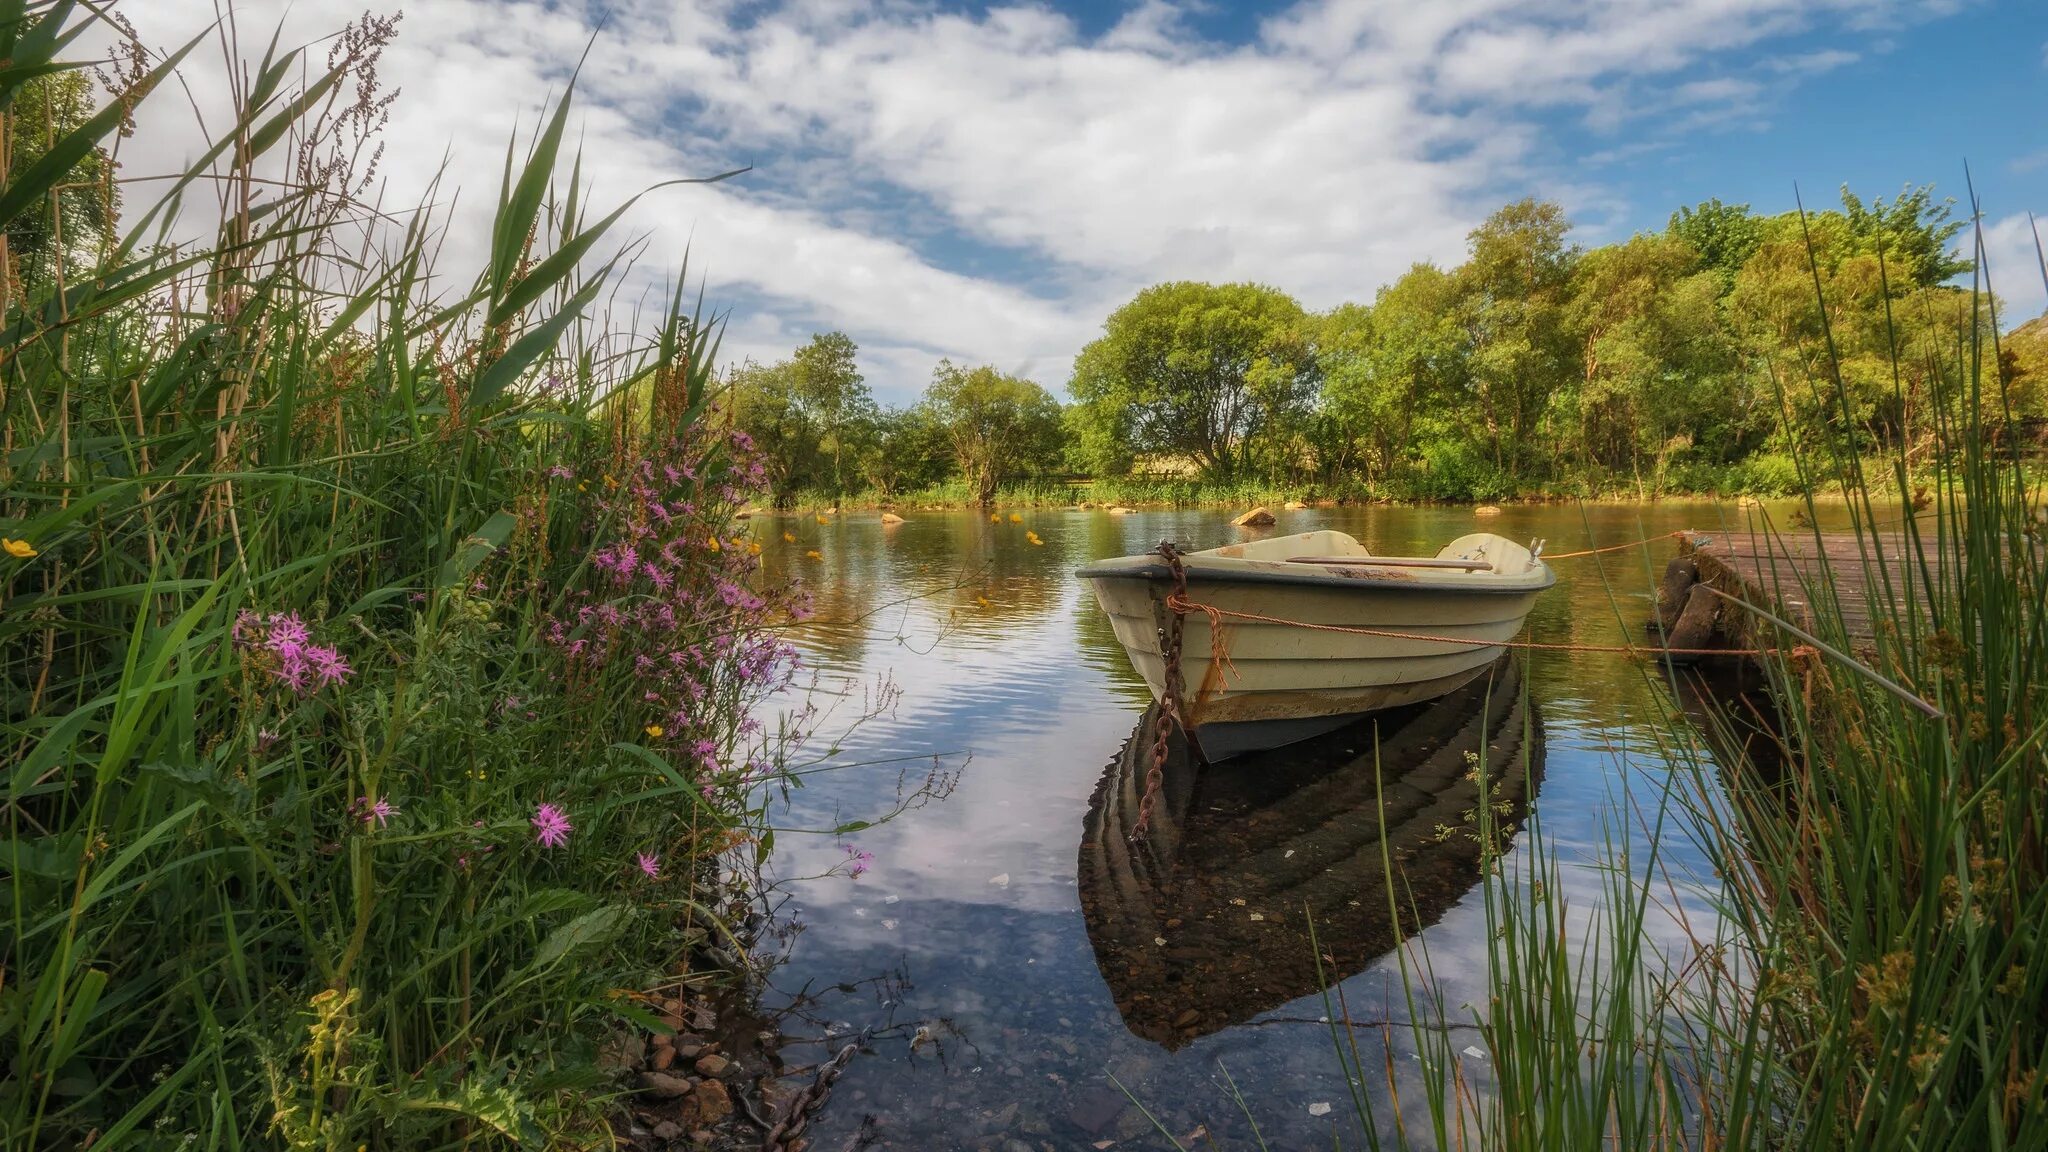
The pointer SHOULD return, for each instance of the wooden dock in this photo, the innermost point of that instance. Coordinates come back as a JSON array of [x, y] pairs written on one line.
[[1784, 574]]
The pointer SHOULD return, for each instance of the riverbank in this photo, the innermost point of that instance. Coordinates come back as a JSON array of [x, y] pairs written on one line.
[[1130, 493]]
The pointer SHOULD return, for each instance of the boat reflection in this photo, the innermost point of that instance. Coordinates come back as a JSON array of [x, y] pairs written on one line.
[[1205, 922]]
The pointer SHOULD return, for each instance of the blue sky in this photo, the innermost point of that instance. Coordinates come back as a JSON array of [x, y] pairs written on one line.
[[986, 182]]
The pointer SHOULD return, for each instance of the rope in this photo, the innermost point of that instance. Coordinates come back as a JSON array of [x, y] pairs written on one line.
[[1181, 603], [1619, 547]]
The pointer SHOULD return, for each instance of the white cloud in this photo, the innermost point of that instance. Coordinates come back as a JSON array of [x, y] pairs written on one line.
[[989, 187], [2015, 268]]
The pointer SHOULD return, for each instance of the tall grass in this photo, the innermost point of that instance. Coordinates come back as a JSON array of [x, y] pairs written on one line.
[[372, 672]]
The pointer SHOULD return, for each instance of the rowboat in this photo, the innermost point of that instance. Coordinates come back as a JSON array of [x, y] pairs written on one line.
[[1262, 880], [1290, 636]]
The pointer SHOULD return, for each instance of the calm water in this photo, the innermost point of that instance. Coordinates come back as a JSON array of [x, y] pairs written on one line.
[[1003, 919]]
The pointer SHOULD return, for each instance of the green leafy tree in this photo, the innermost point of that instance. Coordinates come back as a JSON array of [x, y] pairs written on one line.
[[766, 403], [1201, 371], [905, 449], [1722, 236], [1396, 374], [1517, 289], [1000, 426], [1659, 367], [77, 219], [825, 376], [1914, 233]]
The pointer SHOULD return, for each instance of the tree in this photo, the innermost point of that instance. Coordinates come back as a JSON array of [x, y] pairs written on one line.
[[46, 109], [765, 403], [827, 383], [1659, 365], [1912, 234], [1722, 236], [1000, 426], [1396, 373], [1517, 286], [1202, 371], [905, 449]]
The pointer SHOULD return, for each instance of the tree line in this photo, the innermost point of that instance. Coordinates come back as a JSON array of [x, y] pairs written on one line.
[[1696, 358]]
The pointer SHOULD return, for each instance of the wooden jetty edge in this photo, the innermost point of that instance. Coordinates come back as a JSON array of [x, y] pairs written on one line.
[[1783, 573]]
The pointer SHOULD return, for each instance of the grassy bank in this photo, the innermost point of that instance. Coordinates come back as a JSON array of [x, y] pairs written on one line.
[[373, 681], [1139, 492]]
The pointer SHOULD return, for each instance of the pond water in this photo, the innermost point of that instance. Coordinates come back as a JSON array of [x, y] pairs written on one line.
[[1008, 919]]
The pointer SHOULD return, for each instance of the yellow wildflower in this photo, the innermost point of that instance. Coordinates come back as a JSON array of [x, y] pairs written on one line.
[[753, 547], [788, 538], [714, 543], [822, 520], [19, 549], [1033, 537], [1016, 519], [654, 731], [995, 518], [814, 554], [982, 601]]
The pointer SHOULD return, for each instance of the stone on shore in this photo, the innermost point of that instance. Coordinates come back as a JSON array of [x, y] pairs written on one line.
[[1256, 518], [666, 1085]]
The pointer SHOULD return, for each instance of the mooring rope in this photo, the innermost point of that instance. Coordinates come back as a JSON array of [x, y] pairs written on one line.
[[1619, 547]]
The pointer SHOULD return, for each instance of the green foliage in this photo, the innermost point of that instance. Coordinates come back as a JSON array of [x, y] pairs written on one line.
[[1666, 362], [1205, 372], [1722, 236], [1517, 286], [255, 897], [1914, 234], [811, 415], [82, 215], [904, 449], [1000, 426]]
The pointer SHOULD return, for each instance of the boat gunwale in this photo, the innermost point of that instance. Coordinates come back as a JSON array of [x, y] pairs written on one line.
[[1203, 574]]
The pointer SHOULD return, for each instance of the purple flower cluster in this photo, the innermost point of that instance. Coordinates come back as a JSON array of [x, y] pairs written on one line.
[[669, 603], [283, 646]]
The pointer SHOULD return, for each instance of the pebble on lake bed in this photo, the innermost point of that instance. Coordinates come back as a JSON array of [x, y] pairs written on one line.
[[1319, 1108]]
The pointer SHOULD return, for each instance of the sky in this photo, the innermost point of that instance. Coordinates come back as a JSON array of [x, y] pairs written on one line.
[[988, 182]]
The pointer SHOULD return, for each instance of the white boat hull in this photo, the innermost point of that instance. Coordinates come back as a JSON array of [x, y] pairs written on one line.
[[1282, 669]]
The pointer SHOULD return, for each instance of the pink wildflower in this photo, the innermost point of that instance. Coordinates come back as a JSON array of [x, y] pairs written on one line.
[[649, 864], [379, 812], [551, 826], [857, 861]]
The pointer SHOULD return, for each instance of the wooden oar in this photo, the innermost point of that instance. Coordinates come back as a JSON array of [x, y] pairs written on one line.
[[1394, 562]]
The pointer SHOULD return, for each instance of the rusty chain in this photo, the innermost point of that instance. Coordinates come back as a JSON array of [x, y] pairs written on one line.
[[1176, 687], [787, 1134]]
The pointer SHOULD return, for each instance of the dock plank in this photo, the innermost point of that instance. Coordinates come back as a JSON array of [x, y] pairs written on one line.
[[1786, 574]]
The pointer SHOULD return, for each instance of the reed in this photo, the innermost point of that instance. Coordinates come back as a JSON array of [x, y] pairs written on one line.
[[374, 662]]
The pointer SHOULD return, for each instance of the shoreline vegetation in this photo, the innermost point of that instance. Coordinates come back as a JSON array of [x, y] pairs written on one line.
[[1139, 496], [1692, 361], [381, 683]]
